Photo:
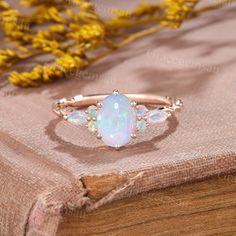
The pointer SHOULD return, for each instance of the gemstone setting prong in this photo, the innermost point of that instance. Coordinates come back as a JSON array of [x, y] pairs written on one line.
[[117, 147], [99, 105], [115, 92]]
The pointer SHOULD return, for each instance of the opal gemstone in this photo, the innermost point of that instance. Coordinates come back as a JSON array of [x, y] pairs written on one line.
[[92, 111], [76, 117], [141, 125], [141, 110], [92, 126], [157, 116], [116, 120]]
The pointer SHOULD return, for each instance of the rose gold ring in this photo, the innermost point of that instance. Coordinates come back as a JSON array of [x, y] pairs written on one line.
[[116, 118]]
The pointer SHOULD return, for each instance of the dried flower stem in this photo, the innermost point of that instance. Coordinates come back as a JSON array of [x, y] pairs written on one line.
[[154, 29], [211, 7], [69, 38], [128, 40]]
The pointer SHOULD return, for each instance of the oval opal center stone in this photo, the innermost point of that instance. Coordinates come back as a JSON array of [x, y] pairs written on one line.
[[116, 120]]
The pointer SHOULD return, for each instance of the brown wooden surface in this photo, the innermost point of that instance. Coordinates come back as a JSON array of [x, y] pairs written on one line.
[[206, 207], [100, 186]]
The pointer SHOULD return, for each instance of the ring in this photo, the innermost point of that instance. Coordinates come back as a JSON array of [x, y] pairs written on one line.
[[116, 118]]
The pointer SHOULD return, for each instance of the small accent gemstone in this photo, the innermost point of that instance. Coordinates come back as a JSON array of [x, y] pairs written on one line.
[[92, 126], [141, 125], [116, 120], [92, 111], [157, 116], [77, 117], [141, 110]]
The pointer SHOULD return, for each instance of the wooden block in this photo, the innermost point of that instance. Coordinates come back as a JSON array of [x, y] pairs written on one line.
[[206, 207]]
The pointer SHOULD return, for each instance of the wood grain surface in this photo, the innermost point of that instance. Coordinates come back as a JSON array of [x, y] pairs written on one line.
[[206, 207]]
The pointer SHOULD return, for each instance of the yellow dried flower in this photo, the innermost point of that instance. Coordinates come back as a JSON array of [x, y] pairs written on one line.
[[89, 32], [144, 9], [68, 62], [38, 75], [120, 12], [69, 34], [4, 5], [44, 40], [57, 28], [177, 11], [53, 14], [7, 56], [92, 31]]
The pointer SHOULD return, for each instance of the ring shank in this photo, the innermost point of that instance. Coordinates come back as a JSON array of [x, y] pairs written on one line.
[[80, 100]]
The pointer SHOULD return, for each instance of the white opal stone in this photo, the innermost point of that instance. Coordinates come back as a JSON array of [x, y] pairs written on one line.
[[92, 111], [76, 117], [92, 126], [141, 125], [141, 110], [116, 120], [157, 116]]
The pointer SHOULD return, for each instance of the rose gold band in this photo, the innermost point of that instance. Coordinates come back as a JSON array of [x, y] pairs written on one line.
[[170, 104]]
